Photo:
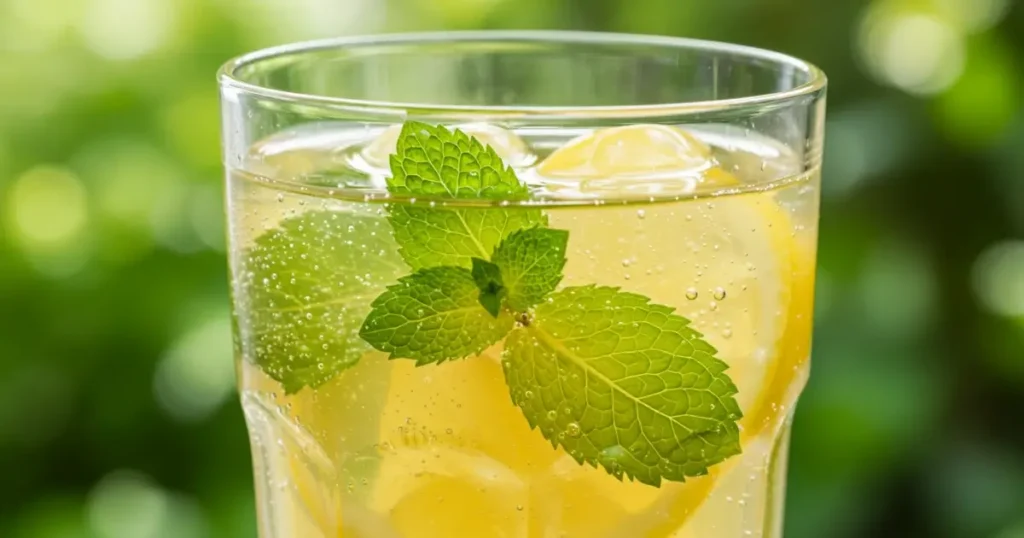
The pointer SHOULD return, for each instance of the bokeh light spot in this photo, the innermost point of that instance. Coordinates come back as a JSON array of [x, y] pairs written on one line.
[[47, 207], [973, 15], [898, 289], [127, 504], [864, 141], [127, 29], [195, 376], [916, 52], [998, 277]]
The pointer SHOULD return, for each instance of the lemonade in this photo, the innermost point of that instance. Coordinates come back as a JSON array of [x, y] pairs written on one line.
[[679, 266]]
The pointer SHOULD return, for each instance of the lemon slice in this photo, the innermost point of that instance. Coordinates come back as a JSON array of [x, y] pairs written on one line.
[[456, 456], [727, 264]]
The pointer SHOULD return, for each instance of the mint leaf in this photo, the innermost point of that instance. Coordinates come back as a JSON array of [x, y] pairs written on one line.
[[531, 263], [619, 382], [488, 279], [433, 161], [432, 316], [303, 289], [433, 236]]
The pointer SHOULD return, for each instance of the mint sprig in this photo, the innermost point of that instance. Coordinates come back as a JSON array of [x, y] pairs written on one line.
[[611, 378]]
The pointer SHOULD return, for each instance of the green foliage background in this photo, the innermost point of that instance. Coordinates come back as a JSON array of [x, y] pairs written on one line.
[[117, 413]]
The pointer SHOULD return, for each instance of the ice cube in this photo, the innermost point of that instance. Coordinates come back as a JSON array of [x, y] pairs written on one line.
[[649, 159], [509, 146]]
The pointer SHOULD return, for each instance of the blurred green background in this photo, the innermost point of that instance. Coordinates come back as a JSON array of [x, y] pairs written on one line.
[[118, 417]]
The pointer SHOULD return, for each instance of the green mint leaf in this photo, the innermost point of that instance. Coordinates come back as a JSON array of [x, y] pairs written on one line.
[[434, 236], [303, 289], [619, 382], [488, 279], [531, 263], [431, 160], [432, 316]]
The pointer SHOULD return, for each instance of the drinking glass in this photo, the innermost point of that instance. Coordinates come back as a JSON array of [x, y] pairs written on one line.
[[521, 284]]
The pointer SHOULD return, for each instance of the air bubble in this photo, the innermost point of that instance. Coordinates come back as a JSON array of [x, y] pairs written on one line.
[[280, 197], [691, 293], [552, 415], [626, 262], [719, 294], [640, 213], [573, 430]]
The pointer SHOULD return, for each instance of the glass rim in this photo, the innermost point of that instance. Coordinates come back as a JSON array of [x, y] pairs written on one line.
[[228, 76]]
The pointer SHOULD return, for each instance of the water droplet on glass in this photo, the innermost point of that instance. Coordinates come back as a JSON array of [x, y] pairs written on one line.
[[691, 293]]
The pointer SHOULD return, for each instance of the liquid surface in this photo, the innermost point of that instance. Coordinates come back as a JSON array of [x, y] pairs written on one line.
[[388, 449]]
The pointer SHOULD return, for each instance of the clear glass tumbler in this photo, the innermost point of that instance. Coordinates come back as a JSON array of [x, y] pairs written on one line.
[[521, 284]]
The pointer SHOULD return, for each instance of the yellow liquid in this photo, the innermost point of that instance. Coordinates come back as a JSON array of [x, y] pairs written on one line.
[[387, 449]]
